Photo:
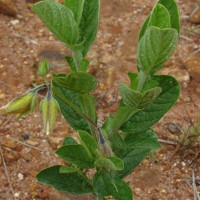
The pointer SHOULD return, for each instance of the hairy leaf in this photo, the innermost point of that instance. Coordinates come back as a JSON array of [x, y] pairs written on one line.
[[87, 140], [172, 8], [89, 23], [77, 7], [59, 20], [76, 154], [80, 82], [66, 99], [155, 48], [159, 17], [73, 183], [69, 140], [151, 113], [106, 185], [138, 146]]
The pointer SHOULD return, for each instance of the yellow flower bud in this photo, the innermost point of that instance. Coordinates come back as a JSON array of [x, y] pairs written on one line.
[[49, 109], [21, 105]]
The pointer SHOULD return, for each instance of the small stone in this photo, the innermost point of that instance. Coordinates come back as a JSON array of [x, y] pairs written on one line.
[[9, 143], [146, 162], [173, 137], [14, 22], [163, 191], [192, 65], [174, 128], [17, 194], [32, 143], [2, 96], [138, 191], [55, 140], [20, 177]]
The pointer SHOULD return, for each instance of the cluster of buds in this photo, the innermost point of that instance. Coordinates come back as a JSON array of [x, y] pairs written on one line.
[[49, 108], [21, 105]]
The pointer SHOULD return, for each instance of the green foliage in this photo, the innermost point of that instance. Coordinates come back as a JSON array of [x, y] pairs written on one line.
[[106, 185], [76, 154], [76, 7], [126, 138], [73, 183], [59, 20], [89, 24], [155, 48], [151, 113], [138, 146]]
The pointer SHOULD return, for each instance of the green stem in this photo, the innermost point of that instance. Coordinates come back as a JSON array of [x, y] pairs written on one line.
[[78, 57], [142, 79]]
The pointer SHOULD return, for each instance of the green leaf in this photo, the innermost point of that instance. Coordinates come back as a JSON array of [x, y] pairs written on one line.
[[66, 99], [59, 20], [105, 164], [67, 169], [69, 140], [159, 17], [87, 105], [106, 185], [71, 63], [144, 27], [150, 95], [130, 97], [136, 99], [138, 146], [122, 116], [76, 154], [77, 7], [172, 8], [84, 65], [72, 183], [88, 141], [89, 23], [80, 82], [118, 163], [151, 113], [155, 48]]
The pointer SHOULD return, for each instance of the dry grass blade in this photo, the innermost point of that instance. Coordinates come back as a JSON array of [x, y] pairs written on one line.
[[196, 193], [6, 171]]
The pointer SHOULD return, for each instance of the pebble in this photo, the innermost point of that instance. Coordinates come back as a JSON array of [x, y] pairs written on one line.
[[138, 191], [163, 191], [9, 143], [14, 22], [20, 176], [32, 142]]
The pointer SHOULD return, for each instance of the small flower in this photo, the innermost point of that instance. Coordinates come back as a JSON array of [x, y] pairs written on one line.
[[49, 109], [21, 105]]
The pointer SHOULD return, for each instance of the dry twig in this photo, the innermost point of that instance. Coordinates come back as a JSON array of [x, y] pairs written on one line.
[[6, 171]]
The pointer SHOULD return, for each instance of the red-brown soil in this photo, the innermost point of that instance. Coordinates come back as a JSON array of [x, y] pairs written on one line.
[[165, 174]]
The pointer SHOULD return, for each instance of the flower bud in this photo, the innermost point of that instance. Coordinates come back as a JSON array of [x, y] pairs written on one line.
[[43, 68], [49, 109], [21, 105], [104, 145]]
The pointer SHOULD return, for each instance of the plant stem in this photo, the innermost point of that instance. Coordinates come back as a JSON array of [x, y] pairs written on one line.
[[78, 57], [142, 79]]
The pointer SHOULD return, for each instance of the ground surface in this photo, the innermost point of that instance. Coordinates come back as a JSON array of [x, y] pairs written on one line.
[[24, 41]]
